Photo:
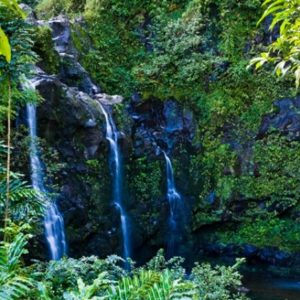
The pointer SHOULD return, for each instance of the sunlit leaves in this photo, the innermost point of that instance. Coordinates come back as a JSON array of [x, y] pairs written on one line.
[[284, 52], [5, 49], [14, 284], [13, 6]]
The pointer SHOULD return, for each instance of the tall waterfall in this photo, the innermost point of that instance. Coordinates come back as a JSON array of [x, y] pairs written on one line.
[[116, 170], [176, 208], [53, 221]]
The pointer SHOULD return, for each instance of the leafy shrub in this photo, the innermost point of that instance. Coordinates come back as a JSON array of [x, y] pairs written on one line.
[[43, 46], [63, 275], [284, 51], [91, 278], [50, 8], [268, 231], [15, 282]]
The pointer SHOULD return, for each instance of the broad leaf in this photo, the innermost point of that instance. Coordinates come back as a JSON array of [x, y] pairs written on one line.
[[5, 49]]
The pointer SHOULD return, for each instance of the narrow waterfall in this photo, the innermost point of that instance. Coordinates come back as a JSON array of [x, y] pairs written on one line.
[[53, 221], [116, 170], [176, 208]]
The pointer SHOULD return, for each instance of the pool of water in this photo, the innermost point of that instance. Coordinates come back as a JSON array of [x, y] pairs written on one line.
[[264, 287]]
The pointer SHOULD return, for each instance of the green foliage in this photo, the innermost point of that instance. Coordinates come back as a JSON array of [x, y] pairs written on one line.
[[179, 62], [192, 51], [151, 285], [26, 205], [195, 51], [43, 46], [284, 51], [265, 231], [115, 30], [18, 32], [5, 48], [31, 3], [167, 49], [91, 278], [14, 282], [219, 282], [13, 6], [50, 8], [87, 292], [145, 180], [273, 189], [278, 163], [63, 275]]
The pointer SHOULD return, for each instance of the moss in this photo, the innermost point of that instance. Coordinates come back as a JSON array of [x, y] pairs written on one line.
[[144, 179], [47, 9], [251, 196], [43, 46], [122, 118], [268, 231], [97, 193]]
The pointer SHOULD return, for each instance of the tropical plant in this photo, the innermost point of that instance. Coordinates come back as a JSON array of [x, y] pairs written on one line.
[[220, 282], [152, 285], [180, 59], [12, 21], [284, 52], [66, 275], [5, 48], [25, 204], [98, 279], [14, 281], [86, 292]]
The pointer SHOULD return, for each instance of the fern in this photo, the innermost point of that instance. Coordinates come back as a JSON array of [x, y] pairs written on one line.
[[95, 279], [14, 283], [25, 202], [85, 292], [152, 285]]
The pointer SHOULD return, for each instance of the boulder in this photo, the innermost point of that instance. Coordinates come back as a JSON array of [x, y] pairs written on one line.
[[285, 119]]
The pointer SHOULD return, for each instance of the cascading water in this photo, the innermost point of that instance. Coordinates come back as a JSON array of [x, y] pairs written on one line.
[[116, 169], [53, 221], [176, 208]]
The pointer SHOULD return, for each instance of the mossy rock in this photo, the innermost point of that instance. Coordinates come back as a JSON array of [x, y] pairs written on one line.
[[43, 46]]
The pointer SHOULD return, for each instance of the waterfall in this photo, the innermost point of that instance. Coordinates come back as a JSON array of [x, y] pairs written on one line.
[[176, 208], [116, 170], [53, 221]]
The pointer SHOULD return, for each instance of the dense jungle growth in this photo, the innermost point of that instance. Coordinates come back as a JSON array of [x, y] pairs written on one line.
[[148, 149]]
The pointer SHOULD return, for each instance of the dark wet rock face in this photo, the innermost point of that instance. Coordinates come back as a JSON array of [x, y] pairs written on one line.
[[268, 255], [160, 126], [71, 121], [286, 119], [71, 72], [67, 112], [62, 35]]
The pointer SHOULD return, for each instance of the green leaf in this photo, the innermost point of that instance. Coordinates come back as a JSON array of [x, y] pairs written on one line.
[[297, 76], [13, 6], [5, 49], [272, 8]]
